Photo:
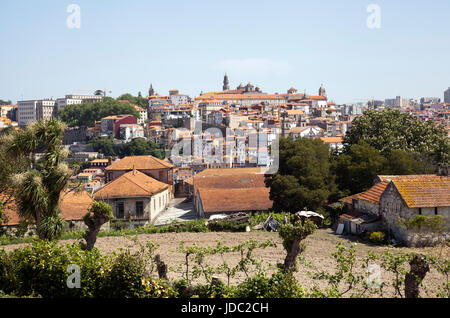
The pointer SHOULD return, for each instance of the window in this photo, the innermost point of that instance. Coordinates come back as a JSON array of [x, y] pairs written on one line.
[[139, 209], [420, 211], [435, 211], [120, 210]]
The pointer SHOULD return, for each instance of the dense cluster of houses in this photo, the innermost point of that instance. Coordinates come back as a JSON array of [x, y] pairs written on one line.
[[218, 151], [140, 188]]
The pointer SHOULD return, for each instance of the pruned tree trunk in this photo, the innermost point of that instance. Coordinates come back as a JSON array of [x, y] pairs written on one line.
[[94, 224], [161, 267], [293, 250], [419, 269], [215, 281]]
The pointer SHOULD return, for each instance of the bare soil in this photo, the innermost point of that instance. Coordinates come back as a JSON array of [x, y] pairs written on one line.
[[318, 249]]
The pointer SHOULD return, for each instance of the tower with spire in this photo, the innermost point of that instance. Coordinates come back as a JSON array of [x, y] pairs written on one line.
[[151, 91], [226, 85], [322, 91]]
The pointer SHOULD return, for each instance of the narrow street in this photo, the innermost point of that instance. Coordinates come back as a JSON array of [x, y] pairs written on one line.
[[178, 210]]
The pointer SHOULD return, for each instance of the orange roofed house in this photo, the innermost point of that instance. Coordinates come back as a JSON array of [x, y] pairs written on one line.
[[396, 198], [230, 190], [156, 168], [135, 196]]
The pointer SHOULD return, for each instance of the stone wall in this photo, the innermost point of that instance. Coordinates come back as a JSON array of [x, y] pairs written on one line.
[[366, 207]]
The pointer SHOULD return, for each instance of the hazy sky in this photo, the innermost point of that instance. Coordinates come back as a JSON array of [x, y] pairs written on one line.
[[123, 46]]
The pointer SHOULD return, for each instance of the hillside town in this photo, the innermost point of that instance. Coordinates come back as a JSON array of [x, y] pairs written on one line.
[[217, 149]]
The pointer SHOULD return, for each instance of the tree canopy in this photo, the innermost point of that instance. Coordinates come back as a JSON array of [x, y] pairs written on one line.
[[391, 129], [136, 147], [136, 100], [86, 114], [303, 179], [356, 170], [38, 188]]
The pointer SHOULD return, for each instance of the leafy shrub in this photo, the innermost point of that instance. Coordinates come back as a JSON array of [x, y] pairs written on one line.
[[7, 276], [40, 269], [219, 290], [280, 285], [284, 285], [123, 279], [377, 237], [92, 265], [158, 289], [183, 288], [431, 223], [253, 287]]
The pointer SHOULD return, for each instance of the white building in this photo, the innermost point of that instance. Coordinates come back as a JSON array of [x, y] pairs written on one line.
[[26, 110], [131, 131], [71, 99], [143, 115], [45, 109], [33, 110], [177, 99]]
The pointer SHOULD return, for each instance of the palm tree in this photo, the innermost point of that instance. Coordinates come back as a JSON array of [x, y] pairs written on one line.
[[38, 188]]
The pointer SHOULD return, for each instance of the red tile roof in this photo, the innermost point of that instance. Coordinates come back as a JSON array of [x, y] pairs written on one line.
[[131, 184], [140, 163], [235, 200]]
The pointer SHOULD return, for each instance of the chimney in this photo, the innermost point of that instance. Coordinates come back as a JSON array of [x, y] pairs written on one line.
[[134, 170]]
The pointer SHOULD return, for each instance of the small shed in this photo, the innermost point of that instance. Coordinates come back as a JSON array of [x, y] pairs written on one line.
[[357, 223]]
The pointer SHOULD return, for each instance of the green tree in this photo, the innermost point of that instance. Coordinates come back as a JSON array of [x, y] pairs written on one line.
[[136, 147], [86, 114], [401, 162], [356, 170], [104, 145], [390, 129], [136, 100], [303, 178], [140, 147], [37, 190]]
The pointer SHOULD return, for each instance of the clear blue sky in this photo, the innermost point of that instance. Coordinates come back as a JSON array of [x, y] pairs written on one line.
[[124, 46]]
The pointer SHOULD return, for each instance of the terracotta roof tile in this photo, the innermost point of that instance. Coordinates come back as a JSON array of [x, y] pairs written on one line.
[[235, 200], [373, 194], [140, 163], [131, 184], [431, 191], [227, 172], [230, 181]]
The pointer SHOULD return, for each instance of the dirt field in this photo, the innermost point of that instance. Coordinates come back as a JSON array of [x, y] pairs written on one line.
[[319, 246]]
